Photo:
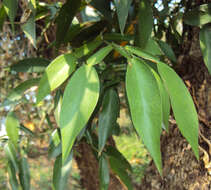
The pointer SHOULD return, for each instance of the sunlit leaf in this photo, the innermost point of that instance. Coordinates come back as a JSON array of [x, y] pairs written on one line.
[[145, 106], [108, 116], [122, 7], [3, 15], [104, 173], [182, 105], [80, 98], [55, 74], [24, 174], [205, 44]]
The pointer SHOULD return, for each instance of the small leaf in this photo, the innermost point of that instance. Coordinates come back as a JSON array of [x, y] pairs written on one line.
[[55, 74], [108, 116], [145, 106], [11, 7], [3, 15], [12, 128], [55, 148], [118, 170], [30, 65], [182, 105], [122, 7], [99, 55], [153, 48], [29, 28], [61, 172], [24, 174], [145, 23], [58, 108], [64, 20], [199, 16], [80, 98], [104, 173], [205, 44], [167, 50], [17, 92], [12, 177]]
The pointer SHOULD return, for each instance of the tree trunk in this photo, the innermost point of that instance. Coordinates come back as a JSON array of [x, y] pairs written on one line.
[[181, 170]]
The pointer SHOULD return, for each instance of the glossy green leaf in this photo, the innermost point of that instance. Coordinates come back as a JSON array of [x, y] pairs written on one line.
[[55, 74], [24, 174], [64, 20], [153, 48], [113, 152], [30, 65], [205, 44], [58, 108], [116, 167], [17, 92], [182, 105], [80, 98], [87, 48], [3, 15], [167, 50], [145, 106], [12, 177], [11, 7], [145, 23], [199, 16], [108, 116], [122, 7], [10, 152], [104, 173], [29, 28], [61, 172], [99, 55], [12, 128]]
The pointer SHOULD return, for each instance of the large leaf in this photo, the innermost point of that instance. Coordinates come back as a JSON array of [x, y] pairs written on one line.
[[108, 116], [153, 48], [205, 44], [145, 106], [12, 177], [18, 91], [199, 16], [12, 128], [80, 98], [29, 28], [11, 7], [99, 55], [182, 105], [104, 173], [24, 174], [31, 65], [55, 74], [122, 7], [64, 20], [145, 23], [61, 172]]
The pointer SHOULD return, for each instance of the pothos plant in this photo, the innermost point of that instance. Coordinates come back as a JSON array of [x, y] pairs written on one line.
[[100, 54]]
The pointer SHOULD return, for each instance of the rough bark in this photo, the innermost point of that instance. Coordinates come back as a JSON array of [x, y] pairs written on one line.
[[181, 170]]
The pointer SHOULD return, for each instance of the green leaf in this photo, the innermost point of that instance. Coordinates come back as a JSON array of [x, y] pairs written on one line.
[[117, 37], [108, 116], [10, 152], [12, 128], [55, 74], [145, 106], [153, 48], [61, 172], [29, 28], [122, 7], [104, 173], [11, 7], [182, 105], [3, 15], [12, 177], [58, 108], [26, 130], [30, 65], [145, 23], [64, 20], [113, 152], [99, 55], [205, 44], [80, 98], [167, 50], [17, 92], [24, 174], [118, 170], [199, 16], [55, 148]]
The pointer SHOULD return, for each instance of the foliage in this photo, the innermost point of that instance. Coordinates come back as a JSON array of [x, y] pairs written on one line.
[[90, 59]]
